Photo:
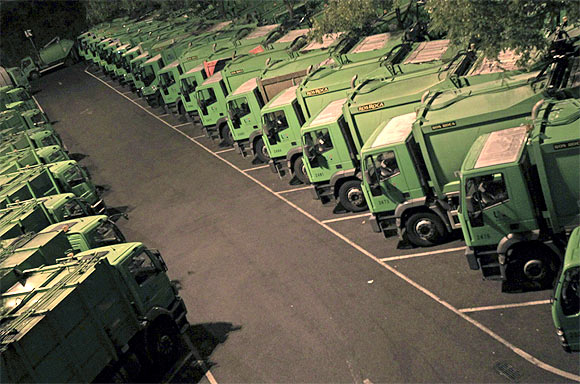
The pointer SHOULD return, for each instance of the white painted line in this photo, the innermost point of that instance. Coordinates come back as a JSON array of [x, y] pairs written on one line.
[[346, 218], [199, 137], [402, 257], [518, 351], [504, 306], [38, 104], [225, 150], [254, 168], [182, 125], [295, 189]]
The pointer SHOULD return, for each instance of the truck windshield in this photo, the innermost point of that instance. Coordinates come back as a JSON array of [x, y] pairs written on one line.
[[188, 86], [382, 166], [166, 79], [275, 121], [73, 209], [141, 267], [107, 234], [206, 96], [148, 75], [319, 140], [74, 176], [486, 191], [569, 295], [48, 141], [237, 109]]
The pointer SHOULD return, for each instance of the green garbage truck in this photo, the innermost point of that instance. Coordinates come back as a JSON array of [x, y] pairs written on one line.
[[36, 214], [519, 189], [566, 299], [54, 54], [23, 158], [99, 316]]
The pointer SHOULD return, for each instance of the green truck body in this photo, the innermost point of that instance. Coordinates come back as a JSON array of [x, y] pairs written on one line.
[[55, 53], [519, 189], [12, 121], [566, 300], [45, 180], [19, 159], [30, 138], [37, 214], [97, 316]]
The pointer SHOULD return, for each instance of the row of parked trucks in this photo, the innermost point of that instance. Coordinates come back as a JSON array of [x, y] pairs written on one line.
[[433, 139], [79, 303]]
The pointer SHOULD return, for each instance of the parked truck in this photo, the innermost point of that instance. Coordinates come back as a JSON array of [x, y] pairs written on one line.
[[30, 138], [16, 160], [100, 316], [36, 214], [54, 54], [12, 121], [420, 197], [519, 194], [566, 299], [45, 180]]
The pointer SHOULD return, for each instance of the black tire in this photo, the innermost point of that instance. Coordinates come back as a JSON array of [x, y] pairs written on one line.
[[425, 229], [34, 75], [533, 266], [163, 344], [351, 196], [261, 150], [298, 169], [226, 134]]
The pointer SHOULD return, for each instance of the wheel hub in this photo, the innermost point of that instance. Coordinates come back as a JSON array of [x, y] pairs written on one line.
[[265, 152], [425, 229], [355, 196], [535, 270], [165, 345]]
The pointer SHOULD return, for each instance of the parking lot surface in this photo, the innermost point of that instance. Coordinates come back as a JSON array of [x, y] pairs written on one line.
[[285, 289]]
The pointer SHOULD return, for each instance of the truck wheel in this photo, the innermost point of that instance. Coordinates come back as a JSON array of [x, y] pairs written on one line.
[[299, 169], [34, 75], [424, 229], [533, 265], [163, 344], [261, 151], [226, 134], [351, 196]]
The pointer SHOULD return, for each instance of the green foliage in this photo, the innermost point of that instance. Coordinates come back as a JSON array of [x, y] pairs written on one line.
[[349, 16], [494, 25]]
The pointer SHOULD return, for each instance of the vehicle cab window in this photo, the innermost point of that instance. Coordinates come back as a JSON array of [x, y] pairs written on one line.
[[142, 267]]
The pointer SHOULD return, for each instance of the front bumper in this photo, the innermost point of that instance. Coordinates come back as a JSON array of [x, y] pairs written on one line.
[[241, 147]]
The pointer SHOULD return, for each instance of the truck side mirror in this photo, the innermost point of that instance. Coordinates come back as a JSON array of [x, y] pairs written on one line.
[[157, 255]]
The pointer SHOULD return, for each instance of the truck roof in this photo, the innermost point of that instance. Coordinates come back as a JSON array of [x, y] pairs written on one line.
[[76, 225], [284, 97], [219, 26], [195, 69], [428, 51], [216, 77], [502, 147], [506, 61], [248, 86], [393, 131], [153, 59], [327, 41], [328, 114], [170, 66], [325, 77], [291, 35], [261, 31], [371, 43]]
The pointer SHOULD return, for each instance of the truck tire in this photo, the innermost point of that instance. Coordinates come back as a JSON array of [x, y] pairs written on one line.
[[226, 134], [299, 170], [351, 196], [163, 344], [532, 265], [34, 75], [261, 150], [425, 229]]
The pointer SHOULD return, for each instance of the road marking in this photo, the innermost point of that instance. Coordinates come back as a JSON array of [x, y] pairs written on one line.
[[518, 351], [225, 150], [402, 257], [126, 93], [165, 114], [504, 306], [346, 218], [38, 105], [296, 189], [254, 168], [199, 137], [182, 125]]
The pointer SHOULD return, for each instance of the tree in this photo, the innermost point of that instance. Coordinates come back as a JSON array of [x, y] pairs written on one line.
[[349, 16], [494, 25]]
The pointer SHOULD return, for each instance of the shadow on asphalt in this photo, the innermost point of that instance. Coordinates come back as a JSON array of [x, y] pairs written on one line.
[[77, 156], [204, 338]]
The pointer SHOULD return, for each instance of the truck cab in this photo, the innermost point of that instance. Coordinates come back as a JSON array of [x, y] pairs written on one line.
[[566, 299], [519, 189]]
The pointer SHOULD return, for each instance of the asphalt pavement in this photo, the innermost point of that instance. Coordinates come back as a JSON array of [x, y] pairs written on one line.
[[280, 288]]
